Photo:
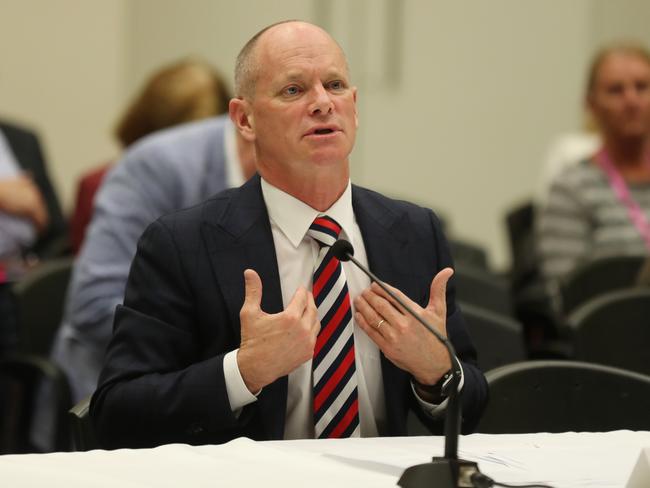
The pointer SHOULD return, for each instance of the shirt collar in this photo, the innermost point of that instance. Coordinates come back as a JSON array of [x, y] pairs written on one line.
[[294, 217]]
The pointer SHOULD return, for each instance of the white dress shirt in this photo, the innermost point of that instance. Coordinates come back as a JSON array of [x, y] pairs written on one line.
[[297, 254]]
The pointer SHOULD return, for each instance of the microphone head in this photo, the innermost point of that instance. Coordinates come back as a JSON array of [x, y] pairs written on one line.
[[342, 250]]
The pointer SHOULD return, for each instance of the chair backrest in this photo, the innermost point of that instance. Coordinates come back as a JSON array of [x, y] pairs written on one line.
[[483, 288], [561, 396], [468, 254], [520, 223], [597, 277], [81, 427], [40, 297], [21, 377], [614, 329], [498, 339]]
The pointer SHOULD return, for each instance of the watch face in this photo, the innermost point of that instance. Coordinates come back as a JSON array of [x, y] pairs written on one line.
[[446, 383]]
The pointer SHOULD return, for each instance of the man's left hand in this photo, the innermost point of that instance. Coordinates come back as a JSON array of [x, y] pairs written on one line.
[[400, 337]]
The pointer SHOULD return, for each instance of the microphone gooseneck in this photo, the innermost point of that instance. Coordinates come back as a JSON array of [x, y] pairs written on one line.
[[344, 251]]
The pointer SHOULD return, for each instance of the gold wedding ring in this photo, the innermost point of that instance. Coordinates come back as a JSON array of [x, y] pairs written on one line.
[[379, 323]]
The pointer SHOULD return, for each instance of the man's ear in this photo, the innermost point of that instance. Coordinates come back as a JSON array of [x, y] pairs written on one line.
[[242, 118], [356, 113]]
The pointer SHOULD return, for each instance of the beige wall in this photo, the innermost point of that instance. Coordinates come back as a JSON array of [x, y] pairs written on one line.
[[62, 73], [163, 31], [484, 86], [458, 100]]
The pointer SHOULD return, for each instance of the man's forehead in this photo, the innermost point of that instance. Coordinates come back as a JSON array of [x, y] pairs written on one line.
[[292, 32], [296, 38], [297, 74]]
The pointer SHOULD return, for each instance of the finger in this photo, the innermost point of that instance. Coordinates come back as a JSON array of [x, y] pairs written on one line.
[[381, 292], [438, 291], [362, 306], [253, 290], [372, 332], [383, 307], [311, 313], [298, 301]]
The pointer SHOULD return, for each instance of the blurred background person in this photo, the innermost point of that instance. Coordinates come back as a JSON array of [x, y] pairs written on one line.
[[158, 174], [181, 92], [601, 206], [166, 171], [26, 195], [564, 151], [30, 216]]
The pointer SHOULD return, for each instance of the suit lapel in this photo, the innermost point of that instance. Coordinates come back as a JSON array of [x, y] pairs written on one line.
[[238, 239], [386, 237]]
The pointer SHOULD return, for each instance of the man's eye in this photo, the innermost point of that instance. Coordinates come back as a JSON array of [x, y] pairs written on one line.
[[291, 90], [336, 85]]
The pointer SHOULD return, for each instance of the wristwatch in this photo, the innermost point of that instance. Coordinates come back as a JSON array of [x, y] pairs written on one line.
[[437, 392]]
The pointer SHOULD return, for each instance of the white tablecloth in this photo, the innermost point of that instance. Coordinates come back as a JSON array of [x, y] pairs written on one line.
[[563, 460]]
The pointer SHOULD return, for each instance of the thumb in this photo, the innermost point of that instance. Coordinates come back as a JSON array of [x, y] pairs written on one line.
[[253, 289], [438, 292]]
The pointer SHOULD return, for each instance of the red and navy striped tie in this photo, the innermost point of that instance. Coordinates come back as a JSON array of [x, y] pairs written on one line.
[[336, 407]]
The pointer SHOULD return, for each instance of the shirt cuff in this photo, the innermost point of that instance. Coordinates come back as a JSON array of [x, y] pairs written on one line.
[[238, 394], [435, 410]]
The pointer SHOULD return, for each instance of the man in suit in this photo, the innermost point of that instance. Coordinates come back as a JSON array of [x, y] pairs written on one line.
[[223, 334]]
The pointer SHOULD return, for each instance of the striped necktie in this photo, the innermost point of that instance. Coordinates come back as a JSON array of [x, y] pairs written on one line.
[[336, 407]]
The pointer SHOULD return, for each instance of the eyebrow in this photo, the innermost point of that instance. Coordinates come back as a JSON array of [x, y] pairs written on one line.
[[294, 75]]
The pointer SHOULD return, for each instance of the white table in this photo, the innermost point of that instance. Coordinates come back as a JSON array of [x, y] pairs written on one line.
[[563, 460]]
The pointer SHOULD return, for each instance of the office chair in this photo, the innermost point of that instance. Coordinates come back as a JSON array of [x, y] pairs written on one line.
[[40, 297], [498, 339], [482, 288], [614, 329], [21, 377], [520, 223], [594, 278], [468, 254], [561, 396]]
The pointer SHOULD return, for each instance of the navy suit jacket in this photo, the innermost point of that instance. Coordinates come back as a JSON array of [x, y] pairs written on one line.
[[163, 377]]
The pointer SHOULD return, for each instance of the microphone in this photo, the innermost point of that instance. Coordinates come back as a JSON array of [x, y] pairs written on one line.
[[447, 471]]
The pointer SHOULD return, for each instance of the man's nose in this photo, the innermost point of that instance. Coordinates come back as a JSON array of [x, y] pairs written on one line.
[[321, 103]]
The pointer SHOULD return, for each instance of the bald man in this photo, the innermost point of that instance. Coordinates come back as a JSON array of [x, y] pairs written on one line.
[[239, 321]]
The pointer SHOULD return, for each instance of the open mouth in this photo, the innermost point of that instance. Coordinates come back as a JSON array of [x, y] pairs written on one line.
[[323, 131]]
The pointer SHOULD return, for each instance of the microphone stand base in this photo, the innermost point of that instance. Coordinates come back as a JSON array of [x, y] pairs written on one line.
[[439, 473]]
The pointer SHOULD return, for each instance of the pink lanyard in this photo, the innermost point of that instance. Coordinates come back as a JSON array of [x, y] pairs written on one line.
[[617, 183]]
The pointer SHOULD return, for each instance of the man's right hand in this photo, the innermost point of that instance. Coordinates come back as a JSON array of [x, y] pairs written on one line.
[[273, 345], [19, 196]]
